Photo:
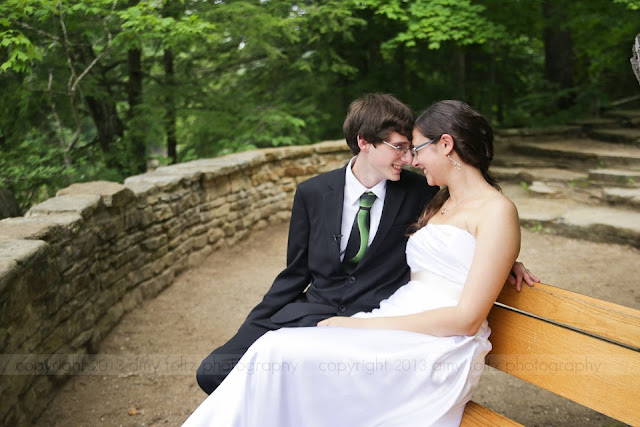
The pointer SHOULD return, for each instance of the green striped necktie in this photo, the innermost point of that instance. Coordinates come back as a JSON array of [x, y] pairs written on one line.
[[359, 237]]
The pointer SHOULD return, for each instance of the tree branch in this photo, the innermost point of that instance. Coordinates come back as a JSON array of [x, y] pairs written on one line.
[[74, 78], [89, 67], [63, 142], [29, 27], [66, 45], [99, 57]]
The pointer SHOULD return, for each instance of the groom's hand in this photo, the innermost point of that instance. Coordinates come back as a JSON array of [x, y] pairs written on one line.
[[519, 273]]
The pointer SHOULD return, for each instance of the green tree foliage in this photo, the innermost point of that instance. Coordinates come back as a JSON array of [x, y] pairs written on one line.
[[68, 68], [100, 89], [631, 4]]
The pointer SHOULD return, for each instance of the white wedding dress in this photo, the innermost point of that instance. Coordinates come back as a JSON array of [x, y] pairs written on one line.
[[325, 376]]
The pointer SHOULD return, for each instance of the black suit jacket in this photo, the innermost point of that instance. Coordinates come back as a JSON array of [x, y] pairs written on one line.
[[314, 286]]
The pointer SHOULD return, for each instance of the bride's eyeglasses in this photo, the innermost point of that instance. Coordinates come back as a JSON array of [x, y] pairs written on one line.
[[414, 150]]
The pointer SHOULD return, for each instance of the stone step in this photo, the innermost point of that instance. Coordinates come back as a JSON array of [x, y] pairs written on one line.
[[555, 189], [504, 158], [531, 174], [580, 153], [622, 196], [621, 135], [597, 122], [619, 177], [569, 130], [572, 219], [559, 183], [630, 117]]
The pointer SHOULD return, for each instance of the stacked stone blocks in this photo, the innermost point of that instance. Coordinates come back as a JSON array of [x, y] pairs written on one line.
[[74, 264]]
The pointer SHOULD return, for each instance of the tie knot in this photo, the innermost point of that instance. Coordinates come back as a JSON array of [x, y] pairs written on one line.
[[367, 199]]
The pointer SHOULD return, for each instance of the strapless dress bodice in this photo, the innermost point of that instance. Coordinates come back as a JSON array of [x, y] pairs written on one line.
[[442, 249]]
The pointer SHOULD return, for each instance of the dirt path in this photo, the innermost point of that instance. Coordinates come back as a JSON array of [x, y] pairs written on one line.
[[145, 372]]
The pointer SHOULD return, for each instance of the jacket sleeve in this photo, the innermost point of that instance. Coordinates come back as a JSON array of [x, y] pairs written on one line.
[[295, 278]]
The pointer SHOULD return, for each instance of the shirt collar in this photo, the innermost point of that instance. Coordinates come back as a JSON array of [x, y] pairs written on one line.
[[354, 188]]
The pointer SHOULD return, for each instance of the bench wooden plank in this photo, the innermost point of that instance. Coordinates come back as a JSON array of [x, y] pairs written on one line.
[[601, 318], [588, 370], [478, 415]]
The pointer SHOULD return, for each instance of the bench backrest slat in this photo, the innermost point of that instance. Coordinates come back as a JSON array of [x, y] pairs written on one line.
[[591, 371], [591, 315]]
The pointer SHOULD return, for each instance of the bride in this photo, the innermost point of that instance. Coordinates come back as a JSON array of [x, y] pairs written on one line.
[[416, 359]]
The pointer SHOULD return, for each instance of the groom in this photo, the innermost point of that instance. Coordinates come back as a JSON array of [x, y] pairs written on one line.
[[318, 282]]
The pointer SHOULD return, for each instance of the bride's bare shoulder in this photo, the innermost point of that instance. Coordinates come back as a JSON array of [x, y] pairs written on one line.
[[499, 207]]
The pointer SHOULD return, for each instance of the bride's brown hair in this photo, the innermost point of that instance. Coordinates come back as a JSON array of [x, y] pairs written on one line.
[[473, 142]]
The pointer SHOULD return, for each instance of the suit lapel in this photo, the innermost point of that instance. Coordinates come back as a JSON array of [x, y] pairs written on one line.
[[332, 206]]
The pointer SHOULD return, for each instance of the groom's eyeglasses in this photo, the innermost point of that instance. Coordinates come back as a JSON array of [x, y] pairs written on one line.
[[400, 150], [414, 150]]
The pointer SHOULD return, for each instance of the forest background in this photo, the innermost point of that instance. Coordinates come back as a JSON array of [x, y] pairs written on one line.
[[105, 89]]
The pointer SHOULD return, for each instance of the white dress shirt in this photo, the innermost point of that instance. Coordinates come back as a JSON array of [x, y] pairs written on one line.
[[353, 189]]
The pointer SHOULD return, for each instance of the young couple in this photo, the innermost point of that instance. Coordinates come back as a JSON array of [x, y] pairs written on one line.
[[367, 326]]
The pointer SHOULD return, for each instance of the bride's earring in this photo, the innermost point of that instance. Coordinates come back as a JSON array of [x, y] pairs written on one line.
[[454, 163]]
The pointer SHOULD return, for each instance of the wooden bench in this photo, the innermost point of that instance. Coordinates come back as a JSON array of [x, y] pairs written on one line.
[[593, 345]]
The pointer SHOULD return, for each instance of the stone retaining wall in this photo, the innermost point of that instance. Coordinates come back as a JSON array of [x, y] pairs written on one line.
[[74, 264]]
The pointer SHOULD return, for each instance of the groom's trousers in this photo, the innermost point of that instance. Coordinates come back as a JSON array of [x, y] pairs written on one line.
[[215, 367]]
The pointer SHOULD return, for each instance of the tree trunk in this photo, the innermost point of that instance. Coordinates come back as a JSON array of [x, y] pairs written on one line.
[[558, 49], [108, 125], [8, 205], [170, 116], [500, 109], [104, 113], [635, 57], [134, 92], [137, 148], [171, 10], [491, 94], [459, 73]]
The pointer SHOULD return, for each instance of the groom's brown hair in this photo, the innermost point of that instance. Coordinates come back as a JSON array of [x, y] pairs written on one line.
[[374, 116]]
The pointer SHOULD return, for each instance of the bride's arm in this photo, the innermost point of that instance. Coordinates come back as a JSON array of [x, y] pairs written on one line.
[[497, 247]]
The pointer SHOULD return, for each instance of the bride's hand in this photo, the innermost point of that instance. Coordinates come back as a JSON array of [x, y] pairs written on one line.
[[342, 322]]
